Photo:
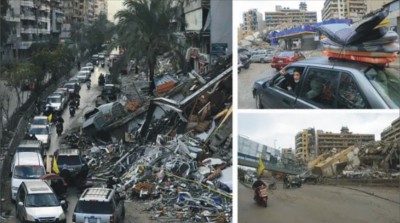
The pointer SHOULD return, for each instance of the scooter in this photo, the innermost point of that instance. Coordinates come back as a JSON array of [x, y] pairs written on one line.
[[262, 196], [72, 110], [59, 128]]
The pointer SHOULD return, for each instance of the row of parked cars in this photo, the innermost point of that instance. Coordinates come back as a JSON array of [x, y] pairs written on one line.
[[39, 195]]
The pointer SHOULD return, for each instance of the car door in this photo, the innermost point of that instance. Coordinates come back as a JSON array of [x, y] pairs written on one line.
[[275, 96]]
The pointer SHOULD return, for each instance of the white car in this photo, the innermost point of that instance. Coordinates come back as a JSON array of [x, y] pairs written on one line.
[[57, 102], [90, 65], [40, 120], [42, 133], [86, 68]]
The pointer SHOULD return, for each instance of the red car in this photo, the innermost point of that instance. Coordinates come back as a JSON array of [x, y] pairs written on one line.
[[284, 58]]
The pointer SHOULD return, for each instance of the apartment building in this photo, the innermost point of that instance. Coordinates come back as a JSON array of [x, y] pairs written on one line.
[[305, 144], [344, 9], [327, 141], [292, 17], [100, 7], [252, 21], [392, 132], [251, 150], [30, 22]]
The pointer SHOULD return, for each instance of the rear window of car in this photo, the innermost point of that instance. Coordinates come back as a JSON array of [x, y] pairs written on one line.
[[286, 54], [39, 131], [94, 207], [68, 160]]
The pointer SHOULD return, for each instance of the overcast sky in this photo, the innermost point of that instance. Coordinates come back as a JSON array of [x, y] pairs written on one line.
[[113, 7], [269, 6], [283, 126]]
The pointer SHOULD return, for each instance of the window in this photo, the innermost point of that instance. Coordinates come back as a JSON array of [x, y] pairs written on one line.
[[348, 94], [319, 87]]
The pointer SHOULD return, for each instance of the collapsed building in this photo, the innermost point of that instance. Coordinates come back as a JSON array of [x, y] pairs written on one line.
[[370, 160], [176, 150]]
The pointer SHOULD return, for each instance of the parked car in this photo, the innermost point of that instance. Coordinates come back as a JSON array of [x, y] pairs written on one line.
[[40, 120], [95, 59], [244, 52], [30, 146], [26, 166], [83, 77], [327, 83], [76, 81], [262, 56], [283, 58], [87, 68], [57, 102], [42, 133], [91, 66], [99, 205], [36, 202], [72, 88], [70, 160], [63, 92]]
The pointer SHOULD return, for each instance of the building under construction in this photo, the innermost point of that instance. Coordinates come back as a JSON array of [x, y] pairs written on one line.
[[392, 132]]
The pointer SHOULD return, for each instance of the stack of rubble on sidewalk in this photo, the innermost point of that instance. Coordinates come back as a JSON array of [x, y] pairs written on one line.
[[182, 163], [371, 160]]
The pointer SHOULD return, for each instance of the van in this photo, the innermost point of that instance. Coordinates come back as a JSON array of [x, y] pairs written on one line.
[[30, 146], [262, 56], [26, 166]]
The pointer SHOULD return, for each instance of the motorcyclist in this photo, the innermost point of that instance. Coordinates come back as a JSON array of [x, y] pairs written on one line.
[[33, 137], [256, 186], [48, 110], [88, 83], [101, 79]]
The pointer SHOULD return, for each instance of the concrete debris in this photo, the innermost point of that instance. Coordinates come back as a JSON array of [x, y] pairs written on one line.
[[178, 162], [371, 160]]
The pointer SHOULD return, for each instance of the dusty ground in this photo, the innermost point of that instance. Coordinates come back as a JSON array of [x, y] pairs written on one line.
[[317, 203]]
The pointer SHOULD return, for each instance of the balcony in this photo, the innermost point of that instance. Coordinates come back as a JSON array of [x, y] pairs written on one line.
[[28, 17], [27, 3], [44, 19], [13, 18], [28, 30]]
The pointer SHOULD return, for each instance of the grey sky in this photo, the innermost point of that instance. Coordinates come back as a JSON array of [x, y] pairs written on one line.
[[113, 7], [269, 5], [283, 125]]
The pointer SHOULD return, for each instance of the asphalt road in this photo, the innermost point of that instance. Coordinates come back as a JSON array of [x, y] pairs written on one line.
[[246, 79], [316, 203]]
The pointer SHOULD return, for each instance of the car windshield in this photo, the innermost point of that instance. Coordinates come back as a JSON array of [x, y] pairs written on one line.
[[41, 200], [38, 131], [39, 122], [69, 86], [386, 82], [27, 149], [94, 207], [286, 54], [28, 172], [53, 100], [68, 160]]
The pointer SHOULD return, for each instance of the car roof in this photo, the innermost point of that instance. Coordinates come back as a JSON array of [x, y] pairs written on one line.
[[40, 117], [38, 126], [54, 96], [29, 143], [99, 194], [37, 187], [28, 158], [68, 152], [326, 62]]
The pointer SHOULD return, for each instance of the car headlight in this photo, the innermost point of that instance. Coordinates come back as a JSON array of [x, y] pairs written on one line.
[[62, 216], [29, 217]]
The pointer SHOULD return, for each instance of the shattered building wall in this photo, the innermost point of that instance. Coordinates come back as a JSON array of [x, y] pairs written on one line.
[[305, 148], [328, 140], [392, 132]]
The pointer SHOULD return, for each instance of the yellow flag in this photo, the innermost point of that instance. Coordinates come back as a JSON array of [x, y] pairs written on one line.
[[261, 166], [55, 166], [50, 117]]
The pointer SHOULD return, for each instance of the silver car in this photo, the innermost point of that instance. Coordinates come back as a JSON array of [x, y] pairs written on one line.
[[99, 205], [36, 202], [42, 133], [57, 102]]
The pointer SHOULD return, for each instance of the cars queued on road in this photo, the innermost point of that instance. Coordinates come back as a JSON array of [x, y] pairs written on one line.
[[37, 199]]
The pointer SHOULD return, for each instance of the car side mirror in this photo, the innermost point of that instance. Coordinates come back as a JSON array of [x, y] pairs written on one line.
[[21, 204]]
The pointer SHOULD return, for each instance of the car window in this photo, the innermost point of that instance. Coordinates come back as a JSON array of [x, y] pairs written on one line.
[[386, 82], [349, 95], [94, 207], [286, 54], [39, 131], [319, 87], [28, 172], [68, 160], [283, 83], [41, 200]]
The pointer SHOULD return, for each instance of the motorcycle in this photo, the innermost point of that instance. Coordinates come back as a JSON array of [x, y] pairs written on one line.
[[72, 110], [88, 85], [261, 196], [101, 80], [59, 128]]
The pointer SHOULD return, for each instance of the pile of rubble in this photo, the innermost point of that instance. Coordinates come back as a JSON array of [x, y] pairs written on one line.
[[181, 162], [372, 160]]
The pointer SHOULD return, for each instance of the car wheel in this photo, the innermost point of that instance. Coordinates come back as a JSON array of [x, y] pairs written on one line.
[[258, 102]]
